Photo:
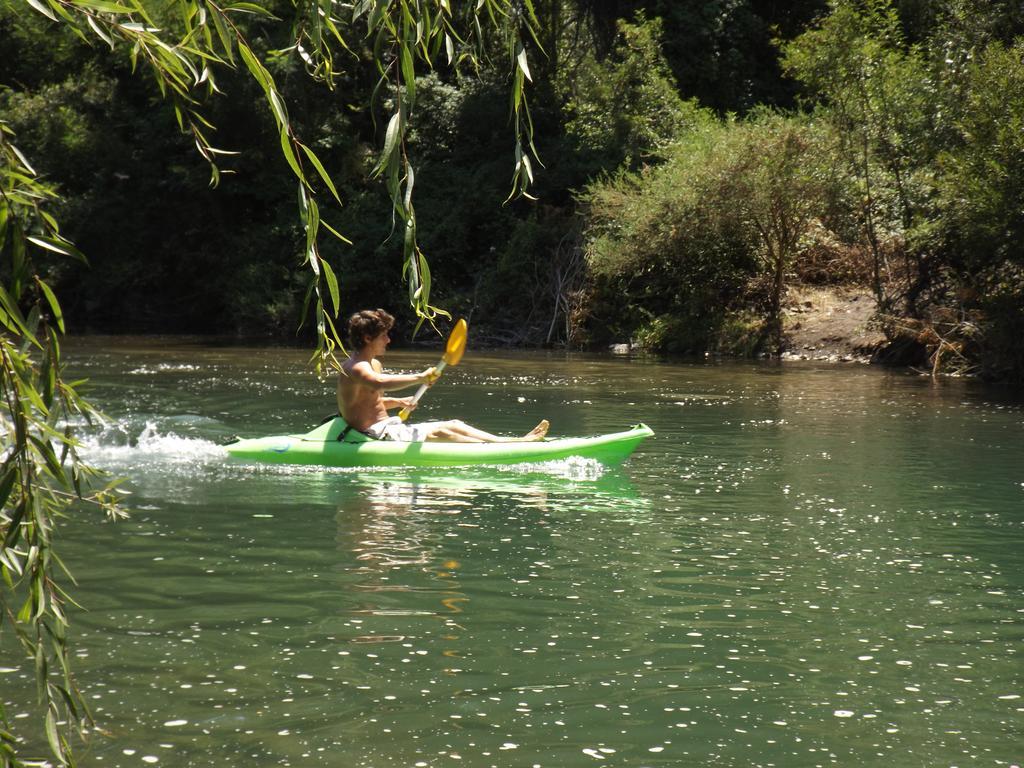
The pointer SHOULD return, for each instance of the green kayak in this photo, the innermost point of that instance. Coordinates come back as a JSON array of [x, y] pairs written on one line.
[[323, 447]]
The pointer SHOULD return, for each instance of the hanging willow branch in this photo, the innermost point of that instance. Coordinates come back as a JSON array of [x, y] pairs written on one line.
[[407, 33], [41, 474]]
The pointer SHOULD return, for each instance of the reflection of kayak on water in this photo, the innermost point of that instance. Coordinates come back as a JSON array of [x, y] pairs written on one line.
[[471, 483], [331, 445]]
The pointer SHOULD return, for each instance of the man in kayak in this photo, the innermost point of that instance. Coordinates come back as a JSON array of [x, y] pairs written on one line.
[[362, 388]]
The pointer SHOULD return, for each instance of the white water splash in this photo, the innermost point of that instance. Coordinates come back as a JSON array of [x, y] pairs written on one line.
[[162, 368], [115, 446], [572, 468]]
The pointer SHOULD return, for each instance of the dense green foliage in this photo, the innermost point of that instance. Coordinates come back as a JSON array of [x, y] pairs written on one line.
[[908, 176], [225, 260], [904, 177], [702, 240]]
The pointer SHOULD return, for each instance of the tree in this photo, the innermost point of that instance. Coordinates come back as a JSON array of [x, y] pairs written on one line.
[[982, 224], [876, 89], [779, 182], [720, 223], [626, 108]]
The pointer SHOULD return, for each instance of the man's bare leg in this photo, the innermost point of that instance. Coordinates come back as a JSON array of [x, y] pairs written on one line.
[[460, 432]]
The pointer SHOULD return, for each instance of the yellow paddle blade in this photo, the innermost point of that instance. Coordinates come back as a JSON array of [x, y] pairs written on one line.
[[456, 343]]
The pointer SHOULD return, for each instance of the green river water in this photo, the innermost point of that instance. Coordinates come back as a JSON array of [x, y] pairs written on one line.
[[806, 566]]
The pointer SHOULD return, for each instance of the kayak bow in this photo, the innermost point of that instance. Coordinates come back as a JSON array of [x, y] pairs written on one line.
[[323, 447]]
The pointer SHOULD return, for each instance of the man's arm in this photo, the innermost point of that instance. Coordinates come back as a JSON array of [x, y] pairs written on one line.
[[364, 373], [397, 402]]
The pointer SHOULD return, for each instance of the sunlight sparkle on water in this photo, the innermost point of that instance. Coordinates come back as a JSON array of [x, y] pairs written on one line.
[[787, 575]]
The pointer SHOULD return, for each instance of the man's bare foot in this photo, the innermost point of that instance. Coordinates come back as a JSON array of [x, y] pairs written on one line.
[[538, 432]]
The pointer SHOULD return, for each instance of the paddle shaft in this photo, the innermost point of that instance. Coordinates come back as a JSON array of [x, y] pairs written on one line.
[[404, 413]]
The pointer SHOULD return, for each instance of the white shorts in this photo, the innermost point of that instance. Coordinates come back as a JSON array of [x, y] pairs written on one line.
[[396, 430]]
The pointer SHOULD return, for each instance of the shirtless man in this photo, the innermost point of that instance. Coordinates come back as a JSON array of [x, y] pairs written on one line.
[[362, 388]]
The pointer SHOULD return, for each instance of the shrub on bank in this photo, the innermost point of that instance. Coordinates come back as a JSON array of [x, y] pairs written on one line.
[[714, 230]]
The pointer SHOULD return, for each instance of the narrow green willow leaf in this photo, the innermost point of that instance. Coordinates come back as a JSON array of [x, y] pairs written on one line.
[[7, 484], [51, 299], [40, 599], [51, 244], [335, 232], [64, 569], [62, 620], [277, 105], [34, 318], [312, 229], [394, 186], [5, 212], [69, 701], [104, 7], [253, 65], [289, 155], [45, 376], [25, 614], [410, 181], [19, 264], [43, 8], [531, 13], [408, 22], [51, 733], [409, 248], [134, 26], [305, 302], [391, 138], [8, 323], [24, 160], [11, 308], [425, 276], [379, 9], [11, 565], [522, 62], [320, 325], [226, 41], [517, 91], [332, 285], [29, 392], [528, 168], [378, 49], [408, 71], [46, 451], [40, 662], [320, 170], [251, 8]]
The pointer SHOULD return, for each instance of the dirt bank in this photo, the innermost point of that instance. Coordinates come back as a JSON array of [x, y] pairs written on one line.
[[833, 324]]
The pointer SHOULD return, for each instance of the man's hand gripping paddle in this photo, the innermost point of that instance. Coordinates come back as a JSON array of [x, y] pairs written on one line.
[[452, 355]]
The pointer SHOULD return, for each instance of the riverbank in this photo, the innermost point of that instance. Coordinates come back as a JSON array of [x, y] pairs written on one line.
[[834, 324]]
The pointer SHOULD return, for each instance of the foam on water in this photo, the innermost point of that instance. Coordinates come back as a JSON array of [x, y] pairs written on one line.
[[572, 468], [162, 368], [118, 446]]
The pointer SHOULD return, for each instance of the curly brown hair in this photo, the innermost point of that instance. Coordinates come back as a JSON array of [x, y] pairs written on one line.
[[365, 325]]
